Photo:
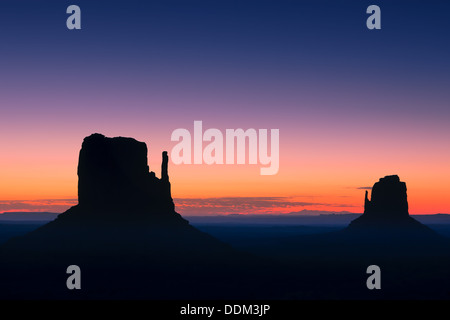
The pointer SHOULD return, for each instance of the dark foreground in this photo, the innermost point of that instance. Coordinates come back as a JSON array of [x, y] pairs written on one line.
[[249, 262]]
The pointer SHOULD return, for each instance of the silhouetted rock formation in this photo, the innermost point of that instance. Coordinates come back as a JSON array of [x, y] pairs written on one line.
[[114, 183], [388, 199], [387, 208], [124, 234]]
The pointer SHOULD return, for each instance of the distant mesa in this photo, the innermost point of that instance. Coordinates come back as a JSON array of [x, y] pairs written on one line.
[[387, 208]]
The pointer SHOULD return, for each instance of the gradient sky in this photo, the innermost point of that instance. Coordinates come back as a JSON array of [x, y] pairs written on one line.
[[352, 105]]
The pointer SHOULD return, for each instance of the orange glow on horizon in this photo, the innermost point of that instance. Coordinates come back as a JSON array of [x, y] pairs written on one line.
[[327, 175]]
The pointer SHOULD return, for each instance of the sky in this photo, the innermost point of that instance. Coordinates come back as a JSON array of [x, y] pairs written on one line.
[[351, 104]]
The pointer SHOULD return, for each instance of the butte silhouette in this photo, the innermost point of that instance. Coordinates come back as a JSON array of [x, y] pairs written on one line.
[[412, 257], [387, 212], [124, 234]]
